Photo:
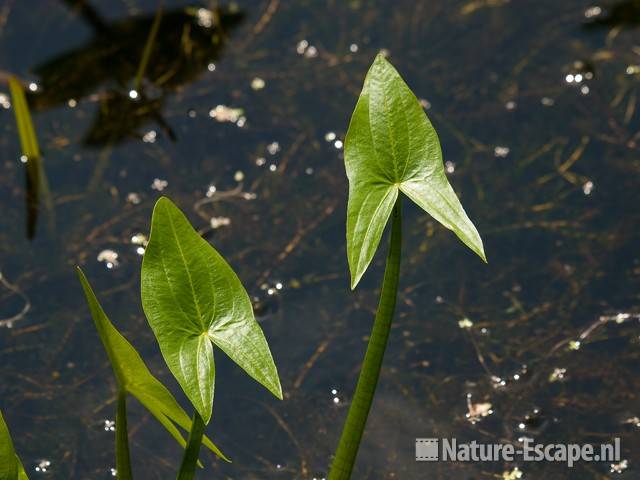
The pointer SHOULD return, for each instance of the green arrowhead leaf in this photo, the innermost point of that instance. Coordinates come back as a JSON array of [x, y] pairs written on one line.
[[391, 147], [10, 465], [193, 299], [133, 375]]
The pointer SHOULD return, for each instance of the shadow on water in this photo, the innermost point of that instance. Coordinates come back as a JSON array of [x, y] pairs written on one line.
[[187, 41]]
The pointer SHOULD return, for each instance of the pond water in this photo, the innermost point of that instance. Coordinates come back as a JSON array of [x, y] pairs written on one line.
[[240, 119]]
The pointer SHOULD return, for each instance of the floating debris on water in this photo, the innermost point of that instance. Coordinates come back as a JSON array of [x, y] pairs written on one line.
[[338, 144], [500, 151], [113, 471], [308, 171], [633, 69], [592, 11], [273, 148], [141, 241], [424, 103], [477, 411], [72, 102], [4, 101], [238, 176], [558, 374], [205, 17], [217, 222], [619, 467], [635, 421], [109, 258], [547, 101], [510, 105], [222, 114], [514, 474], [149, 137], [211, 67], [574, 345], [329, 136], [260, 161], [353, 48], [33, 87], [133, 94], [587, 188], [257, 83], [133, 198], [498, 382], [159, 184], [304, 48], [109, 425], [42, 466], [465, 323], [449, 166]]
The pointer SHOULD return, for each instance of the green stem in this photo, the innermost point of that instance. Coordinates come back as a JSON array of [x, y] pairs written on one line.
[[123, 459], [192, 450], [359, 410], [146, 53]]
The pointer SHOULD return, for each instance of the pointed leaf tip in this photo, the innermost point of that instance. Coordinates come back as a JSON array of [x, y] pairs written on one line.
[[390, 146]]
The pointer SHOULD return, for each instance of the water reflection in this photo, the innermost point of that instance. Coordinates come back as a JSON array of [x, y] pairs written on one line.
[[188, 40]]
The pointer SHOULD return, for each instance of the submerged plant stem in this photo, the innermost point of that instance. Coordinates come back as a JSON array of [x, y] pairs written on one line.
[[359, 410], [192, 450], [123, 458]]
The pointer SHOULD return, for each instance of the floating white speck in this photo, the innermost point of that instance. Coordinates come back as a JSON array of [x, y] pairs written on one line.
[[592, 11], [619, 467], [4, 101], [465, 323], [24, 159], [211, 67], [426, 104], [353, 48], [587, 188], [273, 148], [547, 101], [338, 144], [501, 152], [558, 374], [72, 102], [257, 83], [510, 105], [222, 113], [569, 78], [217, 222], [42, 466], [633, 69], [133, 198], [273, 167], [311, 52], [260, 161], [139, 239], [449, 166], [109, 425], [159, 184], [205, 17], [133, 94], [109, 258], [238, 176], [329, 136], [308, 171], [149, 137], [584, 90], [33, 87], [302, 46]]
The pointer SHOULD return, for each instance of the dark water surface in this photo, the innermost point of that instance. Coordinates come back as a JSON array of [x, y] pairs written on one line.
[[535, 102]]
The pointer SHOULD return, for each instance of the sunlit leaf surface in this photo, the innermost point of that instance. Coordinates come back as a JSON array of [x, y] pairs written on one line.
[[133, 375], [391, 147], [10, 465], [194, 300]]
